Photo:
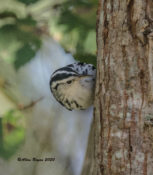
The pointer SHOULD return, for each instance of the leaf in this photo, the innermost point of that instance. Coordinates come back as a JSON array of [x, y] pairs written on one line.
[[8, 34], [28, 2], [29, 21], [78, 19], [86, 58], [1, 134], [7, 14], [24, 54], [23, 30], [13, 133], [8, 28]]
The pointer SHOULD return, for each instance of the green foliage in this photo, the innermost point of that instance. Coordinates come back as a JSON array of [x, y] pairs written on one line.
[[86, 58], [23, 55], [23, 31], [27, 21], [1, 134], [21, 37], [28, 2], [79, 17], [6, 14], [12, 133]]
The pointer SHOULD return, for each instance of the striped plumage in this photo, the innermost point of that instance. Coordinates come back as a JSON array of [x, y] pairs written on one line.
[[73, 85]]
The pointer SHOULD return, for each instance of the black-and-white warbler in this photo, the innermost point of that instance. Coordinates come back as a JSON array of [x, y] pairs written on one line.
[[73, 85]]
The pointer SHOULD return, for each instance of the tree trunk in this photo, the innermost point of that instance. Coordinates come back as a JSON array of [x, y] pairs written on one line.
[[121, 140]]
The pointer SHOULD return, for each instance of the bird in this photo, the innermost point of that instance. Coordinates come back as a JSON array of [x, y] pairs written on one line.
[[73, 85]]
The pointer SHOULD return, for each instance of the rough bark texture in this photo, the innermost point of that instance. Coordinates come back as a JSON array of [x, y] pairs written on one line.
[[122, 138]]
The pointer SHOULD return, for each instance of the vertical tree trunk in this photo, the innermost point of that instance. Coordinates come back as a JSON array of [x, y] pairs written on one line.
[[121, 142]]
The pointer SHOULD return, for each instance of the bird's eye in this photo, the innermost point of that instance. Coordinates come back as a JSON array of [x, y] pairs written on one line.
[[69, 82]]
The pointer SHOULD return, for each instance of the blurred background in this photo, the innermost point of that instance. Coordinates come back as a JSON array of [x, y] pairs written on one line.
[[36, 38]]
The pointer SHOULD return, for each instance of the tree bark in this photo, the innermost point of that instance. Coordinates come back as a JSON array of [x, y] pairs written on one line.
[[121, 140]]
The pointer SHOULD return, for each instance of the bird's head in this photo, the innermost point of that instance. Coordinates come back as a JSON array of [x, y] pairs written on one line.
[[71, 89]]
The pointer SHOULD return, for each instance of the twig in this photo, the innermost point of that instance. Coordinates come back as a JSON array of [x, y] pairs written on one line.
[[30, 105]]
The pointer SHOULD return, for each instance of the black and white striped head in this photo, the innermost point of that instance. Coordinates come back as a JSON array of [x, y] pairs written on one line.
[[73, 85]]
